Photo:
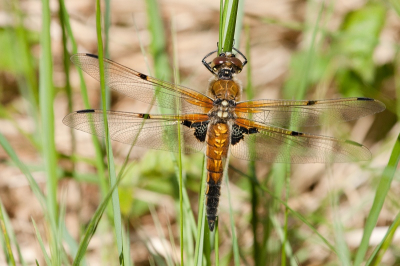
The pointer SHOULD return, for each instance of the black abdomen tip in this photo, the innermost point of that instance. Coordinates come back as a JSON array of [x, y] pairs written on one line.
[[211, 222]]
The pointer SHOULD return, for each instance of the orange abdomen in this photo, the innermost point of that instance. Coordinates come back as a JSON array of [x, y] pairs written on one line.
[[218, 140]]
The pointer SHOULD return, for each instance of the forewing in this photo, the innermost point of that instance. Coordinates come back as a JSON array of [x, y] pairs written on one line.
[[287, 113], [158, 132], [144, 88], [272, 144]]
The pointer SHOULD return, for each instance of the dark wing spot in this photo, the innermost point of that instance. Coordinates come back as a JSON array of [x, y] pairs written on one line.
[[92, 55], [142, 76], [253, 130], [295, 133], [311, 102], [238, 133], [186, 123], [364, 99], [85, 111], [200, 131]]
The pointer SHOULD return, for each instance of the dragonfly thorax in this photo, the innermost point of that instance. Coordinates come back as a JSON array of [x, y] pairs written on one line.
[[223, 110], [221, 89]]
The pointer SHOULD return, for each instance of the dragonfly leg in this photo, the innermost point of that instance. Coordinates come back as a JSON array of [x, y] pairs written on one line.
[[207, 65]]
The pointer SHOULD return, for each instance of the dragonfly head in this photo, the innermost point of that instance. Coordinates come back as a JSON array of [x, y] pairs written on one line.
[[226, 65]]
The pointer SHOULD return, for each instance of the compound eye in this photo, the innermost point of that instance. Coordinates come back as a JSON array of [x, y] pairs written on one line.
[[218, 61], [238, 65]]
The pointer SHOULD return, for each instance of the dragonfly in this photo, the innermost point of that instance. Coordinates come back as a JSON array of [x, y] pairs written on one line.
[[218, 122]]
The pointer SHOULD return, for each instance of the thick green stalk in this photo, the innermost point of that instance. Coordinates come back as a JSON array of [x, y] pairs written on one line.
[[230, 30], [221, 26]]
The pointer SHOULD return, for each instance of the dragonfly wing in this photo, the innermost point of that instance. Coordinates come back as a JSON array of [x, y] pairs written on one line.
[[272, 144], [158, 132], [144, 88], [287, 113]]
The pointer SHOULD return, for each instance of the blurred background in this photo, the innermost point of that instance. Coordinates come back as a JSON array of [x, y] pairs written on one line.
[[296, 50]]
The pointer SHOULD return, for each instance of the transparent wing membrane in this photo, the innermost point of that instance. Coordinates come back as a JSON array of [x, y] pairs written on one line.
[[272, 144], [286, 113], [158, 132], [258, 132], [144, 88]]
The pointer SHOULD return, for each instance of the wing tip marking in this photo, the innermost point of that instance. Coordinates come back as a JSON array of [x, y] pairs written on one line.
[[143, 76], [295, 133], [85, 111], [92, 55], [364, 99]]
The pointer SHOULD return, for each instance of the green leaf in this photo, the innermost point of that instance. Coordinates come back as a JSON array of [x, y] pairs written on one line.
[[380, 196], [359, 35]]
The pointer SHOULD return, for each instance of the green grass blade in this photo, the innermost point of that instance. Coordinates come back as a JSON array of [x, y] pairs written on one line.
[[380, 196], [207, 243], [251, 164], [298, 215], [23, 59], [39, 237], [230, 30], [110, 158], [46, 92], [107, 23], [127, 247], [376, 257], [342, 247], [282, 235], [91, 228], [72, 244], [160, 233], [5, 231], [96, 143], [61, 226], [12, 236], [179, 155], [66, 70], [32, 182], [285, 244], [221, 25], [216, 243], [235, 245], [201, 220], [46, 101]]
